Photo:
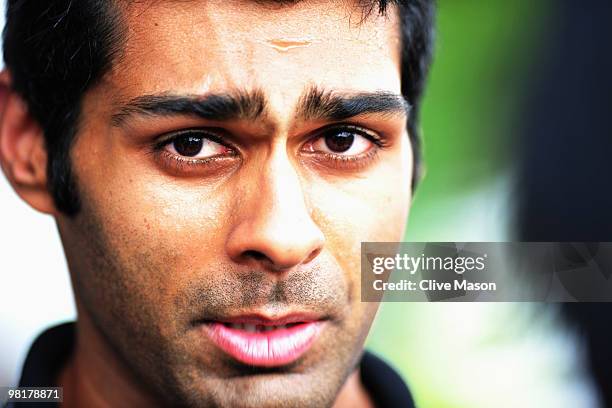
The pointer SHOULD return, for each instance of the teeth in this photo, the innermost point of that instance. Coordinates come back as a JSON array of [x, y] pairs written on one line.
[[254, 328]]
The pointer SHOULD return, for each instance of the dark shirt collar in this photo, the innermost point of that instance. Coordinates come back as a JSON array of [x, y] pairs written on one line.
[[52, 349]]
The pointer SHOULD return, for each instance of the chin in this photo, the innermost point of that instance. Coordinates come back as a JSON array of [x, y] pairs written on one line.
[[312, 389]]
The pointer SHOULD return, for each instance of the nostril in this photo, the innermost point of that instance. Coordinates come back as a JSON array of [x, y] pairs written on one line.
[[312, 255], [259, 256]]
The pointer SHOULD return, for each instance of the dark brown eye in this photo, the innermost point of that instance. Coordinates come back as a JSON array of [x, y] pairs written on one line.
[[195, 144], [188, 146], [342, 142], [339, 141]]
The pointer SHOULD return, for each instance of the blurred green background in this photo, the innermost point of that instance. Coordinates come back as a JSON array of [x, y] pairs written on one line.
[[478, 355], [483, 53]]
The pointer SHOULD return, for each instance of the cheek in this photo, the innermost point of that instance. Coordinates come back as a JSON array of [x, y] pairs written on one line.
[[366, 208], [372, 208], [168, 223], [160, 232], [135, 200]]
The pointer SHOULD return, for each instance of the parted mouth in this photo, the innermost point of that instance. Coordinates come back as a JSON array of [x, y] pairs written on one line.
[[258, 319], [265, 341], [259, 328]]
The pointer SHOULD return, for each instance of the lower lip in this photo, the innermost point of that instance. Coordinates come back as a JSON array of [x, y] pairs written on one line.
[[265, 349]]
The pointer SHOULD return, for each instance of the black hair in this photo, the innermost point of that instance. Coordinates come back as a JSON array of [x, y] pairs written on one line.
[[57, 50]]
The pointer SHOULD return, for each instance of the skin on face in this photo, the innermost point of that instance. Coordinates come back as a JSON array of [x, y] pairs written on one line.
[[268, 220]]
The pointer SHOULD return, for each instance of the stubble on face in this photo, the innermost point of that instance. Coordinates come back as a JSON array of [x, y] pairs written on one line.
[[151, 326]]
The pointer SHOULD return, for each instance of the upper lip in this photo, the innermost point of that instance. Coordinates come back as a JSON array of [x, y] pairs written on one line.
[[267, 320]]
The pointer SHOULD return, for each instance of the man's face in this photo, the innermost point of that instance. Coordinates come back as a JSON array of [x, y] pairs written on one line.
[[229, 166]]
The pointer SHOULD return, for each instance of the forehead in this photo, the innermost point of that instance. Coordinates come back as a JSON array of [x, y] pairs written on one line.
[[200, 46]]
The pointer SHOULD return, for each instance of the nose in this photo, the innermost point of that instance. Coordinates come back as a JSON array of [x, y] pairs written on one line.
[[273, 227]]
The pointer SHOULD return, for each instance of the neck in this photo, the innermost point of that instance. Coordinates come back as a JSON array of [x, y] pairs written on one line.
[[353, 394], [95, 377]]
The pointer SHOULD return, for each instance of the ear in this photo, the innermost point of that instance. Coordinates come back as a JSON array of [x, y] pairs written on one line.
[[23, 156]]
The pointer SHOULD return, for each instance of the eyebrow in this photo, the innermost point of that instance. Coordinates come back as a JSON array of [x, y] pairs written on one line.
[[320, 104], [315, 104], [222, 107]]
